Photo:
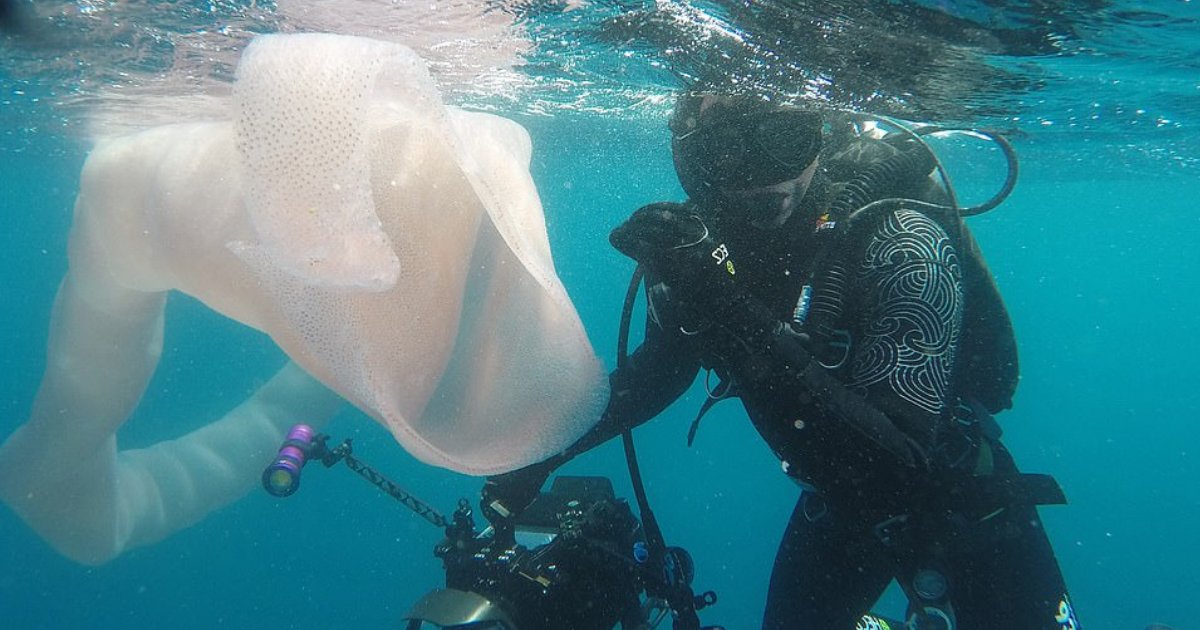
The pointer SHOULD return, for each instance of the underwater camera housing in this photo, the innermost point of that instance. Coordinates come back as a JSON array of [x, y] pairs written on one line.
[[574, 559]]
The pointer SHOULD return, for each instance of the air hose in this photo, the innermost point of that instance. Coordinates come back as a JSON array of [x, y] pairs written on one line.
[[678, 591]]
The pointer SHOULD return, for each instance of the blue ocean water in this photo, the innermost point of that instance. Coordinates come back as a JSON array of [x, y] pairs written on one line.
[[1094, 252]]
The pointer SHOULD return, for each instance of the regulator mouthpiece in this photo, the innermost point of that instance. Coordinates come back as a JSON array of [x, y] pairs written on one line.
[[282, 477]]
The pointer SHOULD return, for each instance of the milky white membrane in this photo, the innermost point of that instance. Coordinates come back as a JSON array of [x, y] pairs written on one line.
[[304, 154], [393, 247]]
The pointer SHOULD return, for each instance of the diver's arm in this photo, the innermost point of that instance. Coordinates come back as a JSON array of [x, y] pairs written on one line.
[[911, 294], [761, 351], [910, 297], [653, 377]]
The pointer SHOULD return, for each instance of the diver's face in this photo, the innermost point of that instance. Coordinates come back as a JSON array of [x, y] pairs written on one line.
[[769, 207], [758, 159]]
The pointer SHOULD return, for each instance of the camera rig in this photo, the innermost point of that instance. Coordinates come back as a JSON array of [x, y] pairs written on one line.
[[576, 558]]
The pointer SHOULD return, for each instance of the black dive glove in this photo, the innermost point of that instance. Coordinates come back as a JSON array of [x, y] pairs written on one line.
[[674, 244], [505, 496]]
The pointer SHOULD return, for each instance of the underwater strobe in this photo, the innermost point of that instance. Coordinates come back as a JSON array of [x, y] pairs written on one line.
[[304, 445], [282, 477]]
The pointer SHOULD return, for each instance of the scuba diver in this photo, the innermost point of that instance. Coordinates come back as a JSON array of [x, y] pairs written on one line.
[[822, 272]]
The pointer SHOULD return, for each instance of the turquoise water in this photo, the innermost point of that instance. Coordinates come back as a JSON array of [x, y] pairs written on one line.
[[1094, 252]]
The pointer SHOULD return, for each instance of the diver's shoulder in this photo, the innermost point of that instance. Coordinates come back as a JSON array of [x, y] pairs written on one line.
[[905, 235]]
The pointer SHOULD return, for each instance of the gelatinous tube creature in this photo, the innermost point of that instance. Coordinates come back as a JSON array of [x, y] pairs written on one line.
[[392, 246]]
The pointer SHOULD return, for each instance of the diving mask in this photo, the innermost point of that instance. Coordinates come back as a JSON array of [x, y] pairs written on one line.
[[741, 147]]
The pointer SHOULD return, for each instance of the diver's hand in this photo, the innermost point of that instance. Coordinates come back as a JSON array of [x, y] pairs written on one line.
[[675, 244], [505, 496], [678, 247]]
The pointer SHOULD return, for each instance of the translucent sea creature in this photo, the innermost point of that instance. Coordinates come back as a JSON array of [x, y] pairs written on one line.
[[392, 246]]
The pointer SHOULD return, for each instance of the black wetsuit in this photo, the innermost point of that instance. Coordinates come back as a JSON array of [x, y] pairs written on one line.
[[864, 518]]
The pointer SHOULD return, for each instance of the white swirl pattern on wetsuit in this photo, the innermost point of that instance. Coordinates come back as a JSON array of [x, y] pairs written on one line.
[[909, 335]]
